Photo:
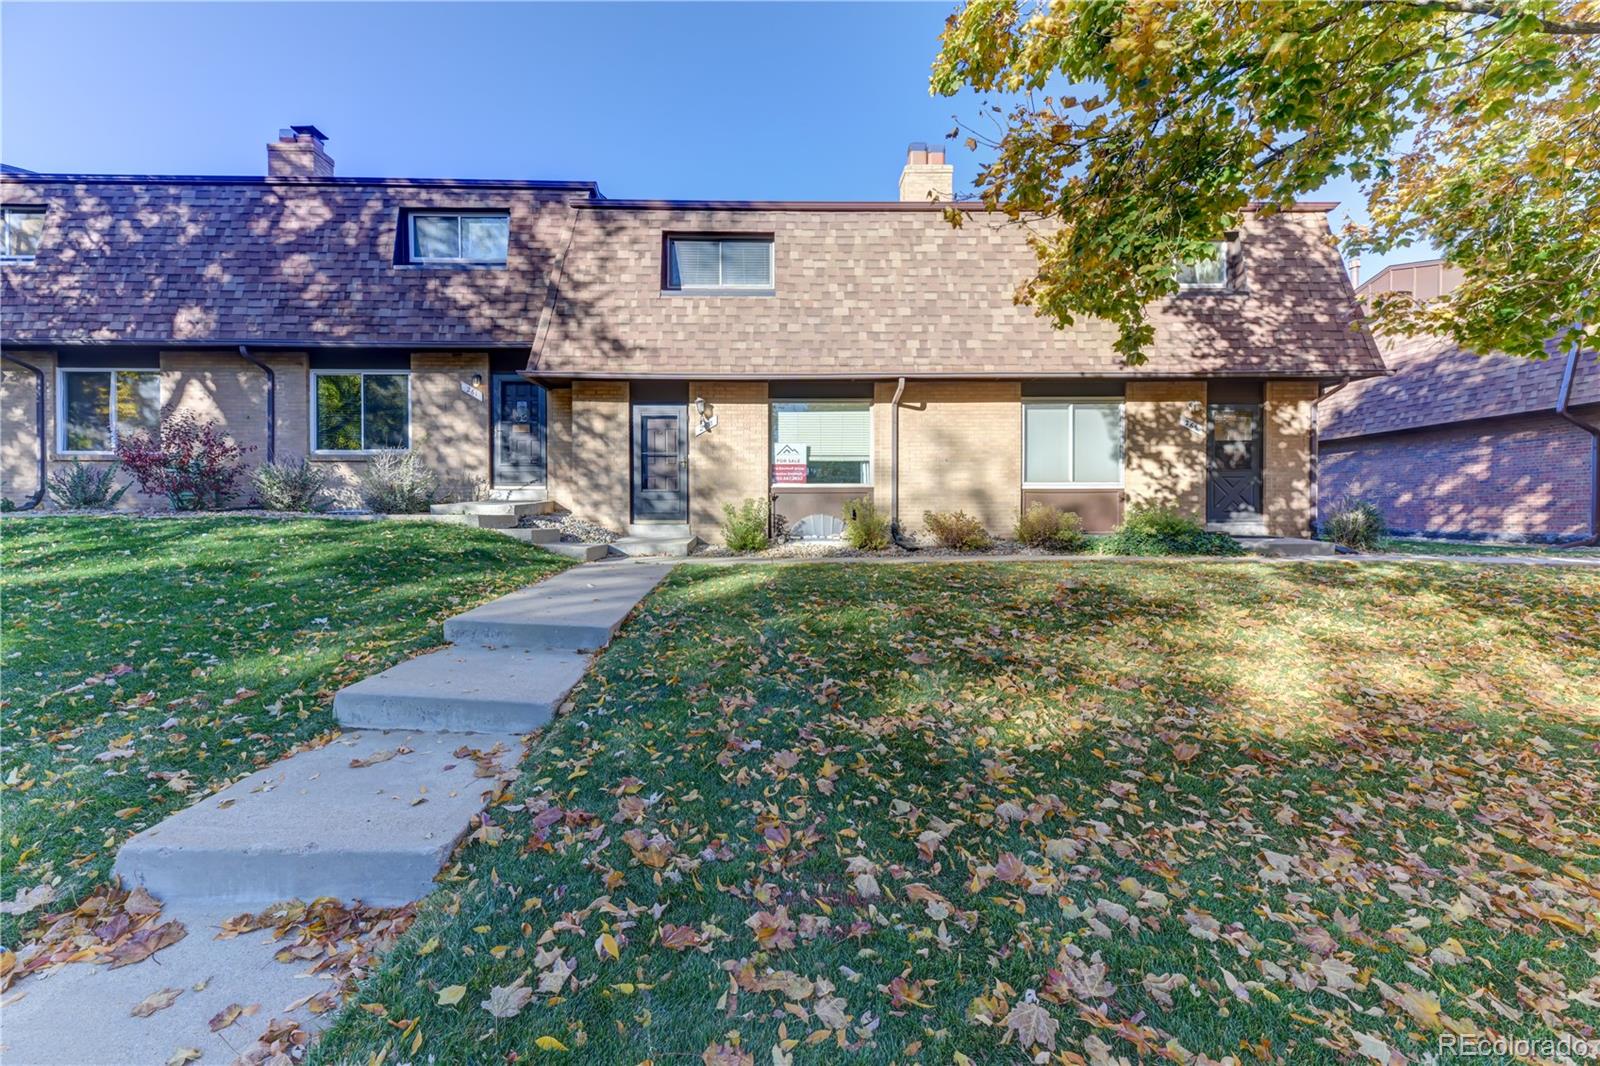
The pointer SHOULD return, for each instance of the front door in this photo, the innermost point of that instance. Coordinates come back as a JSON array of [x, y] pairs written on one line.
[[519, 428], [1233, 463], [660, 462]]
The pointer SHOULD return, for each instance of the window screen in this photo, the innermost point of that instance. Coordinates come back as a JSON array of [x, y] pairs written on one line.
[[706, 263], [1072, 442], [822, 442]]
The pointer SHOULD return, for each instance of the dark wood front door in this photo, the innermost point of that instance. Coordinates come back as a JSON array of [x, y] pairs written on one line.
[[660, 462], [1233, 463], [519, 432]]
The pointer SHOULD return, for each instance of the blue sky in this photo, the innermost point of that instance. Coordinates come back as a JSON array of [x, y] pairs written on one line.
[[741, 101]]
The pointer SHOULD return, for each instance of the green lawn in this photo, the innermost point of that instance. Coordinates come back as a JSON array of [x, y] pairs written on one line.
[[201, 648], [936, 813], [1419, 546]]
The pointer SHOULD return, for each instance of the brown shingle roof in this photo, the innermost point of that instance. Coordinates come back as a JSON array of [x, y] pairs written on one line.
[[891, 290], [1434, 382], [269, 261], [861, 288]]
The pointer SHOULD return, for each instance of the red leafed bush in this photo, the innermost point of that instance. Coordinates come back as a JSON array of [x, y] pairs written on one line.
[[192, 463]]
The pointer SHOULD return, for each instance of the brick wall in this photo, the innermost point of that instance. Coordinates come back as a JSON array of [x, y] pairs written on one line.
[[1165, 463], [601, 476], [559, 475], [729, 463], [1521, 476], [449, 426], [960, 449], [1286, 467]]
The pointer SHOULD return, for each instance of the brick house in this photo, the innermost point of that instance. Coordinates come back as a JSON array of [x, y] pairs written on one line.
[[642, 361], [1456, 444]]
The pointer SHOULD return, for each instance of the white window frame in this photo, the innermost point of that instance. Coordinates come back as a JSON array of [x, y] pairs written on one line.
[[61, 404], [5, 231], [1222, 254], [720, 240], [363, 374], [871, 445], [411, 237], [1071, 403]]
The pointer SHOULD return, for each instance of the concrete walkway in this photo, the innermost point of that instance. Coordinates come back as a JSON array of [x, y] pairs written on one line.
[[371, 816]]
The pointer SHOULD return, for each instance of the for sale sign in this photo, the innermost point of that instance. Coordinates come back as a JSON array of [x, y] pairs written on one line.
[[789, 464]]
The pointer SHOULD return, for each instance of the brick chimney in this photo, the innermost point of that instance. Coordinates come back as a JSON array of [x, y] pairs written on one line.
[[298, 153], [926, 175]]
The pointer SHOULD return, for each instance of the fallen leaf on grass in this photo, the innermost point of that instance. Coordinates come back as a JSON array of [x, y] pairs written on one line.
[[28, 899], [550, 1043], [156, 1001], [449, 997], [1033, 1026], [507, 1001]]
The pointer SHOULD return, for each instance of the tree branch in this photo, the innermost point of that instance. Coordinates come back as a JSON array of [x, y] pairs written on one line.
[[1580, 28]]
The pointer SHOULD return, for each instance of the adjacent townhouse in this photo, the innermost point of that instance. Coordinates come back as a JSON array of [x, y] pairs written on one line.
[[1457, 444], [650, 361]]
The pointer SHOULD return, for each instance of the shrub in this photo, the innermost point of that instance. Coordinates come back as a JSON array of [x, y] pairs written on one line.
[[290, 486], [958, 530], [85, 486], [6, 506], [192, 464], [396, 482], [1163, 531], [744, 529], [865, 529], [1052, 529], [1356, 524]]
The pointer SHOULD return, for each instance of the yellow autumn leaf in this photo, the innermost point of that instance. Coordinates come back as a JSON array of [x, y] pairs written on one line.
[[608, 944], [429, 947], [449, 997], [550, 1043]]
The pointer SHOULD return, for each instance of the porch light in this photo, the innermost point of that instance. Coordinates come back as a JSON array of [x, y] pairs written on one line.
[[477, 381]]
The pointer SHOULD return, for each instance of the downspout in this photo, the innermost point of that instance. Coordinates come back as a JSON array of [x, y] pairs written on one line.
[[272, 400], [38, 414], [895, 533], [1562, 400]]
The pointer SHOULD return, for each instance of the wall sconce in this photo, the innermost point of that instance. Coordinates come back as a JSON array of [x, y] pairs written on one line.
[[700, 406], [477, 381]]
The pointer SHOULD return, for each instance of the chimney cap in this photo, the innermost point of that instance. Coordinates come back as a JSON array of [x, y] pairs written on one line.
[[302, 131]]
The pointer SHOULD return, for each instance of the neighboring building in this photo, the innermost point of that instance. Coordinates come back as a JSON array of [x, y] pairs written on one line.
[[1456, 444], [651, 361]]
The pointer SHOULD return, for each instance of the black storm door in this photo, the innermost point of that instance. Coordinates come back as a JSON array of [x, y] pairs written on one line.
[[660, 462], [519, 432], [1233, 462]]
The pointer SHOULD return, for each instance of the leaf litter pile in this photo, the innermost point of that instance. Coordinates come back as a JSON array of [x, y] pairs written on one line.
[[1036, 813]]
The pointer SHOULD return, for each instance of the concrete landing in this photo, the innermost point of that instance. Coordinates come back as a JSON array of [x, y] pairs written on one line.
[[464, 689], [576, 610], [78, 1015], [583, 553], [311, 825], [1287, 547]]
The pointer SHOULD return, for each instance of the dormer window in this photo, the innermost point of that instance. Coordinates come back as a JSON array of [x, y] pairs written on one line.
[[479, 237], [1208, 273], [719, 264], [23, 226]]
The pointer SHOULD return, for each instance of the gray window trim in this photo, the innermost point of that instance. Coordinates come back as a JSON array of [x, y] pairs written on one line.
[[722, 289], [412, 256], [871, 445], [5, 230], [1072, 403]]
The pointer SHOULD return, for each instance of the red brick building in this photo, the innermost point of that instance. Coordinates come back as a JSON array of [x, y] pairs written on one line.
[[1456, 444]]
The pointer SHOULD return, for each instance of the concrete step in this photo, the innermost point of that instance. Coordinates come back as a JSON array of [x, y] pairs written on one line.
[[494, 507], [576, 610], [470, 690], [662, 546], [534, 493], [312, 825], [1287, 547], [584, 553], [533, 535], [659, 530]]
